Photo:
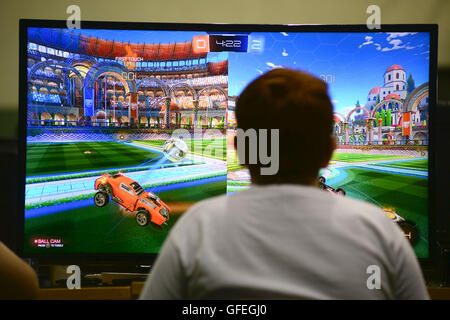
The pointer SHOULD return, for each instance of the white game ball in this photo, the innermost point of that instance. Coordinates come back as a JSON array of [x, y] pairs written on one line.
[[175, 149]]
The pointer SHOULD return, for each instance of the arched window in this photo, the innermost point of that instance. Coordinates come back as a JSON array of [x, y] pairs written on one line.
[[397, 75], [397, 86]]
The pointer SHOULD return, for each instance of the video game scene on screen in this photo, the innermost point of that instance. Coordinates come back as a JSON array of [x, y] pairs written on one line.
[[104, 171], [378, 83]]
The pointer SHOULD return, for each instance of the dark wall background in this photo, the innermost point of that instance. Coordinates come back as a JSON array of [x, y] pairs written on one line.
[[8, 191]]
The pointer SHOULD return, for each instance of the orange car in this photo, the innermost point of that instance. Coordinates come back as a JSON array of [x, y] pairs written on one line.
[[146, 206]]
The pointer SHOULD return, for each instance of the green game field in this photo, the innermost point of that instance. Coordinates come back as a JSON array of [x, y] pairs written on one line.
[[213, 148], [421, 165], [90, 229], [51, 158], [360, 157], [406, 194]]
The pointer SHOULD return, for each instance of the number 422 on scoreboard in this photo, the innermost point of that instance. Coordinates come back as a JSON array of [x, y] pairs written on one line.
[[234, 43]]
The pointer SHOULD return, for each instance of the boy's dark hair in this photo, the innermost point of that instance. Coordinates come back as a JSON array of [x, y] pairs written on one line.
[[296, 103]]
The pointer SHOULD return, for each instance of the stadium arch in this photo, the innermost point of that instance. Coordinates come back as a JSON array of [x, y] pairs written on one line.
[[421, 137], [160, 84], [386, 103], [413, 99], [181, 85], [210, 119], [104, 68], [61, 65], [81, 61], [151, 99], [195, 97], [54, 63], [220, 89], [347, 119]]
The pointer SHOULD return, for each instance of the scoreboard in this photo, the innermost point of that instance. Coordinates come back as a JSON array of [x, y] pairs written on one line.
[[227, 42]]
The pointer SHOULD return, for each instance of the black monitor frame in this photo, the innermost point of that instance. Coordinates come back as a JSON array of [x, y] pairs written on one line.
[[135, 259]]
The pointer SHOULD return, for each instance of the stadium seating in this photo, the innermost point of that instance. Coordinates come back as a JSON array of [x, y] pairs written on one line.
[[52, 99]]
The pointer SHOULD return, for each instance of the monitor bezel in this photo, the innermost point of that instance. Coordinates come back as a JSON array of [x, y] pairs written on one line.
[[144, 258]]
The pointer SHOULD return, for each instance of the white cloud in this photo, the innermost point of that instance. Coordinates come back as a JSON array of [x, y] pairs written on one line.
[[410, 48], [393, 35], [368, 41], [393, 40], [272, 65], [259, 71], [425, 52], [284, 34], [284, 53], [396, 44]]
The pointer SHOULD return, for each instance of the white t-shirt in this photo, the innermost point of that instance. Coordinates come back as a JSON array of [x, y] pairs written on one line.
[[288, 242]]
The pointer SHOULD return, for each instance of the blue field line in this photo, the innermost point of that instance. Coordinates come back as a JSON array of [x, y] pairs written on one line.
[[100, 172], [158, 159], [118, 223], [391, 172], [39, 212], [188, 184], [341, 176], [399, 161]]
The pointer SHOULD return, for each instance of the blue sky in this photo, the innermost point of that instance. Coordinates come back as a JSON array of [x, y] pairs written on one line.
[[357, 61]]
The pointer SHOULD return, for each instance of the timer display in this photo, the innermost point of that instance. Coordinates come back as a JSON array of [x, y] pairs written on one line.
[[235, 43]]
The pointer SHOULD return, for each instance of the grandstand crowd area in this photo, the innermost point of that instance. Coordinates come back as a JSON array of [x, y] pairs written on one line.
[[194, 82], [50, 86]]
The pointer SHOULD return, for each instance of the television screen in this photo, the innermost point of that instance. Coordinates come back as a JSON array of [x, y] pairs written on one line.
[[125, 129]]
